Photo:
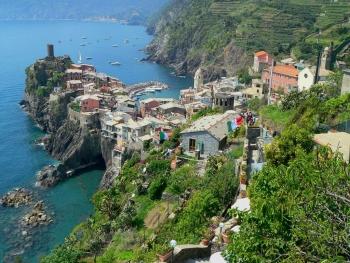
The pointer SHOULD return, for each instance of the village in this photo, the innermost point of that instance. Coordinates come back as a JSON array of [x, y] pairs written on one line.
[[206, 114], [131, 122]]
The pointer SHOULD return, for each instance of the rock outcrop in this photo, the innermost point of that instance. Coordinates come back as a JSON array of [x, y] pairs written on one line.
[[42, 76], [195, 45], [51, 175], [109, 177], [16, 197], [36, 217]]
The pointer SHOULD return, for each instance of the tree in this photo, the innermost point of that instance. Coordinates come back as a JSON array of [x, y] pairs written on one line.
[[285, 147], [157, 187], [244, 76], [65, 253]]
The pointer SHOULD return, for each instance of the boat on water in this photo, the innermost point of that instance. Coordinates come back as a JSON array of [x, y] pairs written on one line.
[[183, 77], [115, 45], [126, 41], [80, 60], [88, 58], [84, 38], [83, 44], [150, 90], [115, 63]]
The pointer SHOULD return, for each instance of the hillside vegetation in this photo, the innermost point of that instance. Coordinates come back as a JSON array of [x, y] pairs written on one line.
[[223, 34], [300, 200]]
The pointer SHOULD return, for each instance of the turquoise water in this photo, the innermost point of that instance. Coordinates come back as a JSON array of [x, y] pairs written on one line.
[[21, 43]]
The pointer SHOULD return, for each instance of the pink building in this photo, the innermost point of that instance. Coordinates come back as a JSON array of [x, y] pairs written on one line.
[[89, 103], [262, 60], [284, 77]]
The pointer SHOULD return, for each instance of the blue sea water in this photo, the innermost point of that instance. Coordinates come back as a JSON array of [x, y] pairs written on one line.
[[21, 43]]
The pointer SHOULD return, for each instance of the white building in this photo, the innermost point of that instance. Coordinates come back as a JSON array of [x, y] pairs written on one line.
[[306, 77]]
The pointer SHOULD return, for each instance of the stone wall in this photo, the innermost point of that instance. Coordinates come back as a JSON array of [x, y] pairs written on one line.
[[182, 253], [211, 145]]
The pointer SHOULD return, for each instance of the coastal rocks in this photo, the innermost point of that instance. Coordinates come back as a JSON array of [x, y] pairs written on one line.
[[75, 146], [36, 217], [50, 175], [16, 197]]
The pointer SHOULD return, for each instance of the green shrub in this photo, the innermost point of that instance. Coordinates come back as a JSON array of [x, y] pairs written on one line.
[[43, 91], [157, 187]]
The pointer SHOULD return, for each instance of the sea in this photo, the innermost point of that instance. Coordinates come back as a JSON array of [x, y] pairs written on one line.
[[69, 203]]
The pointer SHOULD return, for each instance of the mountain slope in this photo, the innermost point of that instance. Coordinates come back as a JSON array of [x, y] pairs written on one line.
[[220, 34], [134, 10]]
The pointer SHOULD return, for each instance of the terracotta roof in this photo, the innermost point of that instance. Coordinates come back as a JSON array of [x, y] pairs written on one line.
[[261, 53], [287, 70]]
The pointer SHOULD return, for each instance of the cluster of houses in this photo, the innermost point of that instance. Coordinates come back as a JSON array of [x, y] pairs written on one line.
[[288, 75], [129, 122]]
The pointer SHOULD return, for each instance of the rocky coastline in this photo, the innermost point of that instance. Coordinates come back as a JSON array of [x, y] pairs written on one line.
[[16, 198]]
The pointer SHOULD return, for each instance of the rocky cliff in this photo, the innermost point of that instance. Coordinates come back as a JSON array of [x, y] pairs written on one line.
[[185, 39], [41, 79], [77, 146]]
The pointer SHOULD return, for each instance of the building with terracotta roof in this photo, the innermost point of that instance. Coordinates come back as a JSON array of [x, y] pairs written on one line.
[[262, 59], [284, 77]]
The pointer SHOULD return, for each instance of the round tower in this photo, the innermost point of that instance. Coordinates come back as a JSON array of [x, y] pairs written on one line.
[[50, 51]]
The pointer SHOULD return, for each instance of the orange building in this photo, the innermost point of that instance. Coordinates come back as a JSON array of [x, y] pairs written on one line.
[[262, 59], [284, 77]]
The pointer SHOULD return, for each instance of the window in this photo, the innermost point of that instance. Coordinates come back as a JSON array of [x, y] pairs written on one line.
[[192, 145]]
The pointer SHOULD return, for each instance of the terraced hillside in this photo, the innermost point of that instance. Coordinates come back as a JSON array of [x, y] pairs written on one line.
[[208, 31]]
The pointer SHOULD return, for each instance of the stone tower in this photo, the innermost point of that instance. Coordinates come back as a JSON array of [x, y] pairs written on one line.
[[198, 79], [326, 59], [50, 51]]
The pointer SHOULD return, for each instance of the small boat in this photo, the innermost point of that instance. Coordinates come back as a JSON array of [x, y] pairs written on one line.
[[84, 38], [115, 63], [80, 58], [126, 41], [115, 45], [88, 58], [183, 77], [83, 44], [151, 90]]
